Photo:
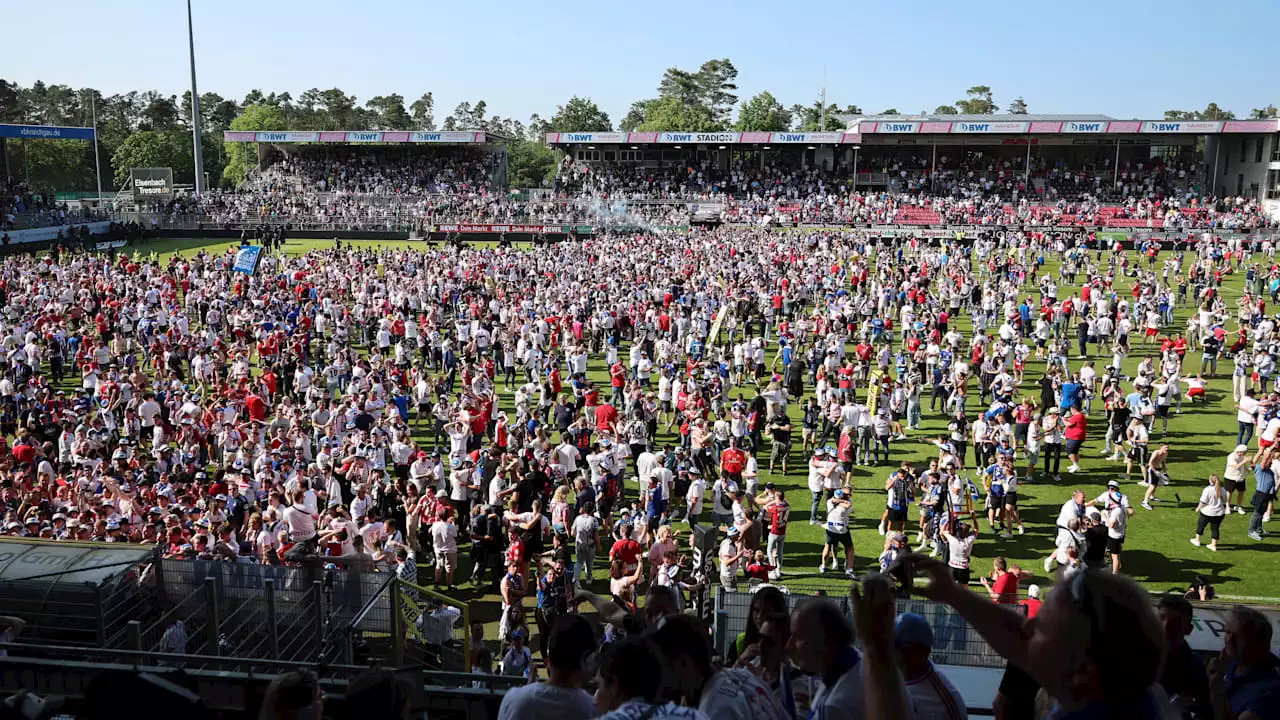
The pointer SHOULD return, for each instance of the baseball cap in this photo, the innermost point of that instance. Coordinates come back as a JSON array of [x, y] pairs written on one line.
[[838, 493], [912, 629], [1033, 591], [1242, 448], [733, 532], [1113, 484]]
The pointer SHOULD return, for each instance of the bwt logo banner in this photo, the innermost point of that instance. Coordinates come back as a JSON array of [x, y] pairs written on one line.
[[1084, 127], [897, 127], [360, 136], [972, 127], [577, 137]]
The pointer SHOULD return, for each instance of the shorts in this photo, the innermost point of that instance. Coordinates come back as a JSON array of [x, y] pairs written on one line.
[[665, 405], [1162, 411], [1264, 443], [780, 452], [1195, 392], [842, 539], [1011, 499], [1152, 332], [1137, 452], [994, 502], [1073, 446], [1231, 486], [1020, 432], [1115, 545], [447, 560], [895, 516], [960, 575]]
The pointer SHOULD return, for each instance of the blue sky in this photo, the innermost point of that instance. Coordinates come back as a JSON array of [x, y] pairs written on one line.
[[1126, 59]]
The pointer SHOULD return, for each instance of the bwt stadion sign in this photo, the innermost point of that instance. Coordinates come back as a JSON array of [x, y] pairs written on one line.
[[151, 183]]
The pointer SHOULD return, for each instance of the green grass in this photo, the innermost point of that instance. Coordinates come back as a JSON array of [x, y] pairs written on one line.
[[1157, 551]]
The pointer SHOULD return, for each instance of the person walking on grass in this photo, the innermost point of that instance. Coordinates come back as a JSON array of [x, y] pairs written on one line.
[[1211, 509], [1157, 474]]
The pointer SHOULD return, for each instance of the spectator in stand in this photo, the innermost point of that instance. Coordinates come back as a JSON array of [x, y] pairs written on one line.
[[932, 694], [571, 642], [1245, 681], [694, 681], [1096, 647]]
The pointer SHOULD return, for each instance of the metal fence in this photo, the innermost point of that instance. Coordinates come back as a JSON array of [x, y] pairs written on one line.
[[954, 642]]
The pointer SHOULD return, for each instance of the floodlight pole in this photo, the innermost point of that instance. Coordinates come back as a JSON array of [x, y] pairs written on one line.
[[97, 162], [195, 108]]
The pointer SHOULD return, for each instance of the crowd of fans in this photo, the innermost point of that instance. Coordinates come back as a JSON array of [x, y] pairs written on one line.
[[375, 189], [21, 208], [389, 410]]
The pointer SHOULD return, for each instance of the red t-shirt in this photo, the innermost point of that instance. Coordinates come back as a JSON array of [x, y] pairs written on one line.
[[1006, 589], [732, 460], [605, 415], [256, 407], [1032, 605], [778, 516], [1077, 426], [628, 551]]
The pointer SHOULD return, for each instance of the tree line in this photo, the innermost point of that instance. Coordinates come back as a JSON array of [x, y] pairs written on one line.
[[150, 129]]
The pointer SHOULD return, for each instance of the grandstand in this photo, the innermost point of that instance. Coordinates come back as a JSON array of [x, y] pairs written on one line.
[[1088, 170]]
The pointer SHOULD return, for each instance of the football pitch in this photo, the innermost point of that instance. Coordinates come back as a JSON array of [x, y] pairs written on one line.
[[1157, 550]]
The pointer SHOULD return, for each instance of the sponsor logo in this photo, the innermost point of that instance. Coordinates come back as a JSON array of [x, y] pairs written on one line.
[[895, 127], [1083, 127]]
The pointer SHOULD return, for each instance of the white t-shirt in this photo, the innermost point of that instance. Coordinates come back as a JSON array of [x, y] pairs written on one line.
[[933, 696], [1248, 409], [541, 701], [961, 550], [1213, 501], [837, 517], [1117, 521], [302, 526], [737, 694], [444, 536]]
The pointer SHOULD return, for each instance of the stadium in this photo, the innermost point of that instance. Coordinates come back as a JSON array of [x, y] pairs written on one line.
[[374, 420]]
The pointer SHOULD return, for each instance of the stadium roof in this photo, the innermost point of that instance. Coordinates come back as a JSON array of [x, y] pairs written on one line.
[[931, 117]]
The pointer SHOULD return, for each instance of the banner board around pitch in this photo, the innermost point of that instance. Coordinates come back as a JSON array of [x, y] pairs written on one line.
[[151, 183], [247, 259]]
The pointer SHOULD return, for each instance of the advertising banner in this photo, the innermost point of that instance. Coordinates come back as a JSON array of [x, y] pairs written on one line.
[[894, 127], [1181, 126], [531, 229], [46, 132], [247, 259], [151, 183], [1251, 126], [454, 136], [989, 127], [354, 136], [286, 136], [1084, 127], [723, 138]]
